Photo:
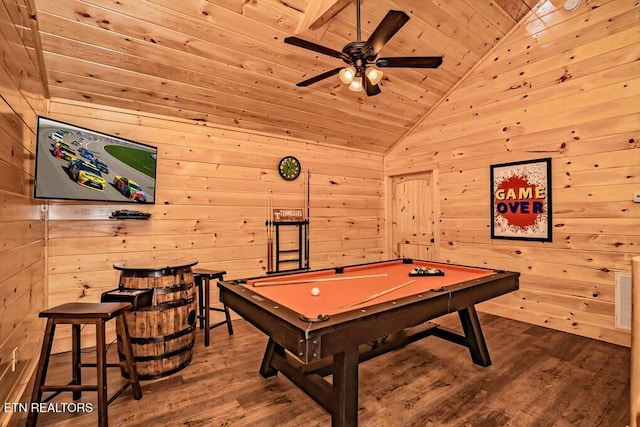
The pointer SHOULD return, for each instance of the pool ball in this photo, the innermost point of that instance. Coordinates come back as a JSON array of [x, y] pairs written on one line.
[[315, 292]]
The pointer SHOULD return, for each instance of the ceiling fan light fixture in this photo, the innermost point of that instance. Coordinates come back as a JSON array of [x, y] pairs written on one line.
[[374, 75], [356, 85], [347, 74], [361, 55]]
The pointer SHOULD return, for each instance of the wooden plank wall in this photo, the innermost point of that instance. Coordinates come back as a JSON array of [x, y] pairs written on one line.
[[22, 229], [563, 85], [211, 203]]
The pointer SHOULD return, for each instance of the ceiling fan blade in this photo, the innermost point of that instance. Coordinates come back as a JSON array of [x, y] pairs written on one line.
[[315, 47], [390, 25], [319, 77], [370, 89], [410, 62]]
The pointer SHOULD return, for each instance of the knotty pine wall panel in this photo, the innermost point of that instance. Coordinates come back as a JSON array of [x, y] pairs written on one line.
[[561, 85], [22, 228], [211, 204]]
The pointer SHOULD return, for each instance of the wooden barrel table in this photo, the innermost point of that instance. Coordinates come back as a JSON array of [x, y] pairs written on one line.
[[162, 334]]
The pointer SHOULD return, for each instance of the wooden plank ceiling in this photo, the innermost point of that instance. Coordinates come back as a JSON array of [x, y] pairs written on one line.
[[225, 62]]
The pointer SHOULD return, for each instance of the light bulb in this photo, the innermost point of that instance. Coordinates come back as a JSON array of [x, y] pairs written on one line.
[[374, 75], [347, 74], [356, 85]]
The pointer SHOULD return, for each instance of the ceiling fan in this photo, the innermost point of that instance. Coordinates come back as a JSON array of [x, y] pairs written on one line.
[[361, 55]]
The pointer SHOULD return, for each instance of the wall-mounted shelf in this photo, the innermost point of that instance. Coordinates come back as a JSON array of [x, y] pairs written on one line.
[[127, 214]]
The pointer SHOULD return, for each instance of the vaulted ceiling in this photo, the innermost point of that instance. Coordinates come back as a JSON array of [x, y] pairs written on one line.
[[225, 62]]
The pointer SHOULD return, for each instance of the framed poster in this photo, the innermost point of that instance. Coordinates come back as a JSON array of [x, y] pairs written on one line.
[[521, 200]]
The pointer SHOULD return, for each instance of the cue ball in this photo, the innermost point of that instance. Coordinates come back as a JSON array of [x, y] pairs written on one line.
[[315, 292]]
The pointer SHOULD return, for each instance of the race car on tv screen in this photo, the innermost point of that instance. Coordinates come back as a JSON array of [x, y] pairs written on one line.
[[86, 175], [57, 136], [87, 154], [129, 188], [100, 165], [63, 151]]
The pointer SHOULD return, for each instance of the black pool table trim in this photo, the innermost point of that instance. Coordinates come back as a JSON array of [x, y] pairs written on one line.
[[340, 270], [306, 352]]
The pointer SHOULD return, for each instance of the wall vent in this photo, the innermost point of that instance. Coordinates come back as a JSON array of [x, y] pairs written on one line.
[[623, 301]]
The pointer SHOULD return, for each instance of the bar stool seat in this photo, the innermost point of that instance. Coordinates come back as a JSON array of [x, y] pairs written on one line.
[[202, 278], [77, 314]]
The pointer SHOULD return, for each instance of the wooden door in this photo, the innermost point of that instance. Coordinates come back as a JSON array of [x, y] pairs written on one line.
[[413, 216]]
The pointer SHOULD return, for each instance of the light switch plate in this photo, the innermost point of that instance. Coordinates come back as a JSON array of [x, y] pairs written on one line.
[[636, 197]]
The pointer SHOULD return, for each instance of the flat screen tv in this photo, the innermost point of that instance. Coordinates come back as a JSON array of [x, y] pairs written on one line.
[[74, 163]]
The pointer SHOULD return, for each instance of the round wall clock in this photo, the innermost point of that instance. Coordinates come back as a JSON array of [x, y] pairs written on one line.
[[289, 168]]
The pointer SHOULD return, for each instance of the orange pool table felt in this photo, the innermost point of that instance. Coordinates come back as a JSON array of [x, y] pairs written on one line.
[[337, 296]]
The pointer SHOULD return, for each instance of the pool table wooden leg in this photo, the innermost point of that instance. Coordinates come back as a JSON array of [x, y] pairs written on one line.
[[340, 398], [266, 368], [345, 388], [475, 338]]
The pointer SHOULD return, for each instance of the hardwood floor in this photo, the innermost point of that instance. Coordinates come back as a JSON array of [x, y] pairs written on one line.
[[539, 377]]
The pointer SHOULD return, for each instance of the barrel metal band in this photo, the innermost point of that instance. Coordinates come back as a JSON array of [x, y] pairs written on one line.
[[183, 365], [173, 288], [162, 338], [160, 356], [169, 304], [160, 291], [155, 273]]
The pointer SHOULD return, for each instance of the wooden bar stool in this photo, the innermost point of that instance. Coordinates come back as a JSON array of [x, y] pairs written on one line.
[[76, 314], [202, 278]]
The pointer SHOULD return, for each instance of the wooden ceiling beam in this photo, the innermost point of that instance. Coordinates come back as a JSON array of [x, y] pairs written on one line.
[[517, 8], [320, 12]]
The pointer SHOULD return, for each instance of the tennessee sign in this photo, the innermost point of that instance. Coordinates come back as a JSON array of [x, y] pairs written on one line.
[[521, 200]]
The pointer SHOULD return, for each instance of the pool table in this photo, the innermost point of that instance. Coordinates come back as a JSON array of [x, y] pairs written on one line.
[[361, 311]]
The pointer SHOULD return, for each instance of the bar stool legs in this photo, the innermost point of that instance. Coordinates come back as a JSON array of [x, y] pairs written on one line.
[[101, 362], [121, 324], [202, 279], [41, 372], [77, 314], [76, 359]]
